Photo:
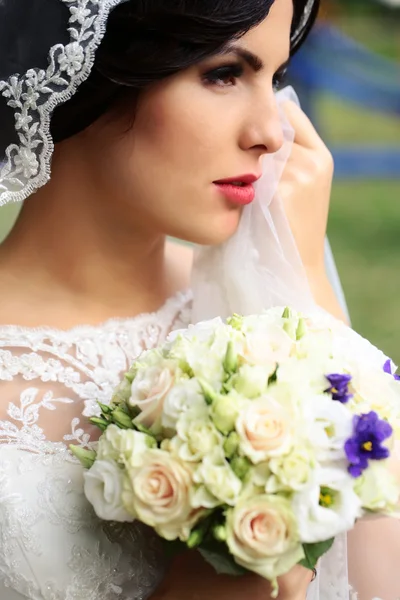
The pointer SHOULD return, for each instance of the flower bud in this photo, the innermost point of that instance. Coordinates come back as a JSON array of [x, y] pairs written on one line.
[[224, 412], [210, 395], [301, 329], [121, 419], [85, 457], [231, 444], [195, 538], [100, 423], [240, 466], [236, 322], [231, 359], [219, 532]]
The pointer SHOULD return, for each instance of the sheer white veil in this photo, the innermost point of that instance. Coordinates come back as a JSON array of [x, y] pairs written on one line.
[[260, 267]]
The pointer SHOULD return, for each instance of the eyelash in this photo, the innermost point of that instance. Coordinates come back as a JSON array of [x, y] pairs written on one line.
[[235, 71], [217, 76], [279, 79]]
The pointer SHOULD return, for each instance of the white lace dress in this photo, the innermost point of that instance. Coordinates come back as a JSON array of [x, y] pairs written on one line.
[[52, 547]]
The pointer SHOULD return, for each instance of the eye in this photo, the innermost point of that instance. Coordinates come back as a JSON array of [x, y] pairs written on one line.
[[224, 76], [279, 79]]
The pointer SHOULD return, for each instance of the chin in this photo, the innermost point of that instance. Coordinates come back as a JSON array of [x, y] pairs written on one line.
[[214, 232]]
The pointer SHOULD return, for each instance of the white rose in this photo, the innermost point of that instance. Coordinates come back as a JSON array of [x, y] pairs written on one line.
[[267, 346], [148, 391], [218, 484], [291, 472], [262, 535], [103, 485], [377, 488], [159, 491], [266, 429], [252, 381], [122, 445], [183, 396], [328, 506], [316, 345], [197, 435], [203, 348], [203, 331], [304, 375]]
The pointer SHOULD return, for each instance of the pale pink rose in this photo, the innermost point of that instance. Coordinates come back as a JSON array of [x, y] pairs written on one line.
[[262, 535], [267, 346], [266, 429], [149, 389], [159, 491]]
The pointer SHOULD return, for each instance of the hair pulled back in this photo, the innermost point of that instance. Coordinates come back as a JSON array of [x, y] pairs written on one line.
[[148, 40]]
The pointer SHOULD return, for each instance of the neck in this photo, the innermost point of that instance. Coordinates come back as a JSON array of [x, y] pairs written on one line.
[[71, 246]]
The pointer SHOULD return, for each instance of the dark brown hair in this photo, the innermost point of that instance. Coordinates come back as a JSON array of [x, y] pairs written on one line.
[[149, 40]]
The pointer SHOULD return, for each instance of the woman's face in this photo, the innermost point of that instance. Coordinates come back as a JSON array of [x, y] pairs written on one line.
[[209, 123]]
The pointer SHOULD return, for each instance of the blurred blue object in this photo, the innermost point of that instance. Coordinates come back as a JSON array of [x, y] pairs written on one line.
[[333, 63]]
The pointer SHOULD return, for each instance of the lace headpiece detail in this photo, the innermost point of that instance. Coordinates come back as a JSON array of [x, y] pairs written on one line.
[[34, 94]]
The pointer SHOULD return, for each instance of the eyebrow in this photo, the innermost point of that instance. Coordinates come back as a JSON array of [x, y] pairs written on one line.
[[250, 58]]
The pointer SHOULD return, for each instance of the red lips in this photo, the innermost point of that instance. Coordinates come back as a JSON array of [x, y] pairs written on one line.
[[238, 190]]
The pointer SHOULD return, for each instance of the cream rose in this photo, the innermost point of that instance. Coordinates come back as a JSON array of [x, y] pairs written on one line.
[[267, 346], [262, 535], [265, 429], [148, 391], [103, 485], [158, 491]]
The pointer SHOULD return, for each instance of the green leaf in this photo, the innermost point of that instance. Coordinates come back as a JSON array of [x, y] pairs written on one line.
[[274, 377], [313, 553], [221, 561]]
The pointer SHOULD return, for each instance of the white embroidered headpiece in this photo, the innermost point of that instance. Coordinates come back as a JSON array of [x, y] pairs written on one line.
[[47, 49]]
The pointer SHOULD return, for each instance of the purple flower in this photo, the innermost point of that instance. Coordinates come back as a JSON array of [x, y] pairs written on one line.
[[369, 432], [387, 367], [339, 387]]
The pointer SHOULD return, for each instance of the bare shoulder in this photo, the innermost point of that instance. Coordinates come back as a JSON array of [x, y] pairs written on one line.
[[179, 257]]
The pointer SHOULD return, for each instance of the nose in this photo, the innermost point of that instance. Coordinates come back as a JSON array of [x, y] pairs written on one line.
[[262, 133]]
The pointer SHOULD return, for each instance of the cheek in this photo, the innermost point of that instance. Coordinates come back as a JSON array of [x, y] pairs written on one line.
[[173, 130]]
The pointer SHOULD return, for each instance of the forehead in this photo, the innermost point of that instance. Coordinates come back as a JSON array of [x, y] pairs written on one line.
[[270, 40]]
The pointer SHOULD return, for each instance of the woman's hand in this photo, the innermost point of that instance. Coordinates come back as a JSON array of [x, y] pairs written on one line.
[[305, 189], [191, 578]]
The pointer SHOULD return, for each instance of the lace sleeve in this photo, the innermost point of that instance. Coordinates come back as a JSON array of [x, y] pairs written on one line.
[[52, 546]]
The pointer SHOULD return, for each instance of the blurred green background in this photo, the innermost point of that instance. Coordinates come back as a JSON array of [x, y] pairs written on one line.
[[364, 227]]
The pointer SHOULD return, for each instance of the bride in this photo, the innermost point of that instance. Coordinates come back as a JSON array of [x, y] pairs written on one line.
[[162, 112]]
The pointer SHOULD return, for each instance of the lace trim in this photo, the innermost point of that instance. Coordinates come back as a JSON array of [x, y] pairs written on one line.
[[35, 95], [84, 363]]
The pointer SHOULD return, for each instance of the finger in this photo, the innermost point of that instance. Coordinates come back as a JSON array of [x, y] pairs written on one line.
[[305, 132]]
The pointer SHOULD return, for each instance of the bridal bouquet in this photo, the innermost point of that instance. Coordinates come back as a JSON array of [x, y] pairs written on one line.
[[256, 441]]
